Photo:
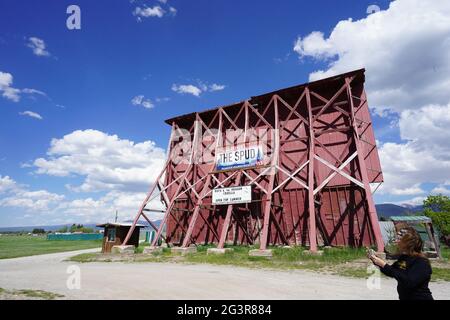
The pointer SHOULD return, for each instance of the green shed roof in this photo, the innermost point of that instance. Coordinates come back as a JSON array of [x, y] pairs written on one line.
[[410, 219]]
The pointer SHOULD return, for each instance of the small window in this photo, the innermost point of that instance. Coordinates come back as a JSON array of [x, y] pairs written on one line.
[[112, 234]]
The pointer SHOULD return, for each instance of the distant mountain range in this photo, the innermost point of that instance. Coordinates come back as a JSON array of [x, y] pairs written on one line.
[[385, 210], [388, 210]]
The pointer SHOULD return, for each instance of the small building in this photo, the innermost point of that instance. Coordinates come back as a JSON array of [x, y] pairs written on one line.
[[115, 232], [424, 227]]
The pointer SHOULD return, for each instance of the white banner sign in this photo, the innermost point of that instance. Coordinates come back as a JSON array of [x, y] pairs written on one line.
[[232, 195], [239, 158]]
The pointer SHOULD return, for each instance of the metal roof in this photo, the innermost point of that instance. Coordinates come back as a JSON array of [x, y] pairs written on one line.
[[119, 224], [410, 219]]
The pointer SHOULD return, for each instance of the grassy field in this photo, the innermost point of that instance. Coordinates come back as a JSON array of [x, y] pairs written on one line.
[[347, 262], [12, 246]]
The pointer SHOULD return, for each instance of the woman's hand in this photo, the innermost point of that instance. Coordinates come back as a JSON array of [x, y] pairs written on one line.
[[378, 261]]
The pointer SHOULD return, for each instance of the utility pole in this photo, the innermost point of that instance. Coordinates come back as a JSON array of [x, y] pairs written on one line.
[[116, 216]]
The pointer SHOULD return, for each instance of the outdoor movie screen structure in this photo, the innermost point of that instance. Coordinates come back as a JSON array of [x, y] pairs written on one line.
[[289, 167]]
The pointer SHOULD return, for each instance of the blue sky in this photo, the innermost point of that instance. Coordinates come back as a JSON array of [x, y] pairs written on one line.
[[88, 78]]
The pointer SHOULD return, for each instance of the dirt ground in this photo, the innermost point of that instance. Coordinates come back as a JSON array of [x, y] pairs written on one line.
[[117, 280]]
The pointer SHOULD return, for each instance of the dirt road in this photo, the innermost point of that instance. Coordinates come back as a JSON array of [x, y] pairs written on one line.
[[181, 281]]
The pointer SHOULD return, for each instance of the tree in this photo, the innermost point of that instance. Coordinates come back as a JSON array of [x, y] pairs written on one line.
[[438, 209], [80, 228], [38, 231], [63, 229]]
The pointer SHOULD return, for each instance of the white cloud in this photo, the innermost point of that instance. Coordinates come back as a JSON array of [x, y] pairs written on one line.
[[426, 155], [158, 11], [119, 170], [314, 45], [173, 11], [428, 128], [408, 190], [38, 46], [187, 88], [416, 201], [44, 207], [147, 12], [197, 90], [141, 101], [31, 114], [163, 99], [105, 161], [404, 166], [441, 190], [34, 91], [40, 200], [6, 80], [103, 209], [18, 196], [216, 87], [13, 94], [405, 50], [7, 184]]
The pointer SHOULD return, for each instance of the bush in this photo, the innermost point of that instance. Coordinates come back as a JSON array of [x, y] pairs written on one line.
[[80, 228]]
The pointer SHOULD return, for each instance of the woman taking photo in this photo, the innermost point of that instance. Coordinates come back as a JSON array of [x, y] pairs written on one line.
[[412, 270]]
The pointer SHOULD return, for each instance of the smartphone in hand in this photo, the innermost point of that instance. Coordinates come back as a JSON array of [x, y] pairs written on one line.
[[370, 253]]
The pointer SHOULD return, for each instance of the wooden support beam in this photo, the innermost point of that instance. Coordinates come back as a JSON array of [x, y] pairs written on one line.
[[311, 205]]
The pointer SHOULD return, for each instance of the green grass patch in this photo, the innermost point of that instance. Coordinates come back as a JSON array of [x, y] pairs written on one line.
[[283, 258], [353, 272], [440, 274], [13, 246], [40, 294], [445, 252], [84, 257]]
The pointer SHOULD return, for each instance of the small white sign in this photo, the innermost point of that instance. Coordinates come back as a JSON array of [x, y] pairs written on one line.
[[232, 195]]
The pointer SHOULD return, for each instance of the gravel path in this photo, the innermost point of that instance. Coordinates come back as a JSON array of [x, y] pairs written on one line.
[[180, 281]]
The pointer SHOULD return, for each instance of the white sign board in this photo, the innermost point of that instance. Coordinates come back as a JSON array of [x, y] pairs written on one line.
[[239, 158], [232, 195]]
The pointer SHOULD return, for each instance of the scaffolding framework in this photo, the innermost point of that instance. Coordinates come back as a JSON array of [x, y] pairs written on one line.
[[314, 189]]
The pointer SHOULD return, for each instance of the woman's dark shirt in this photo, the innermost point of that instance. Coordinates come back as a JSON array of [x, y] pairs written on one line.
[[413, 274]]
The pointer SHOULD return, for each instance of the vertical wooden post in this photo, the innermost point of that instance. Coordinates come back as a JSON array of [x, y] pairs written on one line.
[[311, 206], [274, 163], [432, 236]]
